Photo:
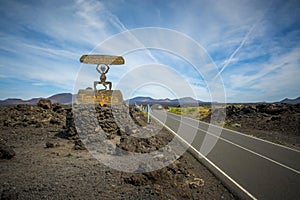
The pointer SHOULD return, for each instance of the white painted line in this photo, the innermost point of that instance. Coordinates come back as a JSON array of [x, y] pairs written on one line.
[[253, 152], [210, 162], [250, 136]]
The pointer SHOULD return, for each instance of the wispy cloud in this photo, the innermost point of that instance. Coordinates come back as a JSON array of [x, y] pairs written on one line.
[[231, 58], [243, 41], [272, 81], [117, 23]]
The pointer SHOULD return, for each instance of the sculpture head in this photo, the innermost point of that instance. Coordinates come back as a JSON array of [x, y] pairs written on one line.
[[103, 68]]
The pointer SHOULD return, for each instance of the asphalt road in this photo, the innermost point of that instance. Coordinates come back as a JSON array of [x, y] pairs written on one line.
[[261, 169]]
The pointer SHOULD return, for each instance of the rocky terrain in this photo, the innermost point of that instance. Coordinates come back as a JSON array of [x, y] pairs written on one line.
[[279, 123], [44, 156]]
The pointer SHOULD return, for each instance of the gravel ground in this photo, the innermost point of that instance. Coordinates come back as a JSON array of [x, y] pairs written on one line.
[[48, 166]]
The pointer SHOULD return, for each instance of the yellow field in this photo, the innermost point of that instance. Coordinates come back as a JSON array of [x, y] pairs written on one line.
[[193, 112]]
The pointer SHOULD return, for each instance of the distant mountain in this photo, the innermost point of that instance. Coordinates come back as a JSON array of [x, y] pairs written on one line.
[[11, 101], [290, 101], [167, 101], [64, 98], [140, 100]]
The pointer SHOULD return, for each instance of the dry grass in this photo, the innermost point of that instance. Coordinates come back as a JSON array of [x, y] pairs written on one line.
[[193, 112]]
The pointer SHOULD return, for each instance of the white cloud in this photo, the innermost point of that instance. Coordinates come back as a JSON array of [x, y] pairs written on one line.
[[154, 76], [274, 80]]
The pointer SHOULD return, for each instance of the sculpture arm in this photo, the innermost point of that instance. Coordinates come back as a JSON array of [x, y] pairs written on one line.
[[107, 69], [98, 69]]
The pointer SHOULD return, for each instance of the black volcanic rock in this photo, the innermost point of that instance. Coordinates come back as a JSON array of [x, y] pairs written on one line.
[[44, 103], [6, 152], [283, 118], [69, 131], [49, 145], [57, 107], [31, 116], [78, 145]]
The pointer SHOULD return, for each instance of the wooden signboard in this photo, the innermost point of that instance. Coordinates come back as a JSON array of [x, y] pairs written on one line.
[[102, 97], [102, 59]]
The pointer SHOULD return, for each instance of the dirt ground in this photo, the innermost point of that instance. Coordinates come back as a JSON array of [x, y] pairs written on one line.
[[46, 166]]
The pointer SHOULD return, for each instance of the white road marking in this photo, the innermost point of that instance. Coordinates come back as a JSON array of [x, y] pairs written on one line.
[[210, 162], [251, 151], [250, 136]]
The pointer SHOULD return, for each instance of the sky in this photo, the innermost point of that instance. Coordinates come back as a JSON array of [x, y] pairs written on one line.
[[254, 46]]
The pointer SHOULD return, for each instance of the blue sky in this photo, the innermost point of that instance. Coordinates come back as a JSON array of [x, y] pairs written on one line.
[[255, 44]]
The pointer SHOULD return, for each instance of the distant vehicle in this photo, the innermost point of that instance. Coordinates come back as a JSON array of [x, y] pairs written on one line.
[[157, 107]]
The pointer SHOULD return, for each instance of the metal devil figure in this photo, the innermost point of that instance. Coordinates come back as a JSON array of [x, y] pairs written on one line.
[[101, 96]]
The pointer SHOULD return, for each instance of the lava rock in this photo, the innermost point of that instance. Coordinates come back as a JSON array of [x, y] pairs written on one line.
[[44, 103], [6, 152], [9, 194], [197, 182], [57, 107], [55, 121], [69, 132], [78, 145], [49, 145], [137, 180]]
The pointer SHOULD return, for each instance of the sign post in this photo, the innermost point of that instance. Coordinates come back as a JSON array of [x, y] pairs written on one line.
[[148, 113]]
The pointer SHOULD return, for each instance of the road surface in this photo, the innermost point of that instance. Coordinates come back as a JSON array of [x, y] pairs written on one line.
[[257, 168]]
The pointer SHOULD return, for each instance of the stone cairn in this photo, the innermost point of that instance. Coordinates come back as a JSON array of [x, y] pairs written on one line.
[[119, 121], [99, 126]]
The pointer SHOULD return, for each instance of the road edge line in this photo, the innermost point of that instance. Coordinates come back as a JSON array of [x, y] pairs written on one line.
[[231, 184], [250, 136], [244, 148]]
